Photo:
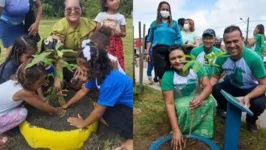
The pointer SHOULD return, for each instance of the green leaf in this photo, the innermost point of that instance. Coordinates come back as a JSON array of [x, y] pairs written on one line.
[[48, 61], [196, 67], [187, 65], [208, 56], [58, 45], [59, 74], [60, 54], [68, 51], [67, 65]]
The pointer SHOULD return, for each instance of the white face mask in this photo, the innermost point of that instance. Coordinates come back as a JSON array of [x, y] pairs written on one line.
[[165, 14], [186, 26]]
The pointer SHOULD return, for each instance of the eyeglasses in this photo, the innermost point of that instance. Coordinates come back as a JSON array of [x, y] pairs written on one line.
[[75, 9]]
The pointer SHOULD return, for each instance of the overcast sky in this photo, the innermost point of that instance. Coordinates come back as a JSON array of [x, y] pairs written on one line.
[[215, 14]]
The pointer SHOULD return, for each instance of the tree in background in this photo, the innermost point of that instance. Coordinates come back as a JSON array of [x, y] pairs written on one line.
[[90, 8]]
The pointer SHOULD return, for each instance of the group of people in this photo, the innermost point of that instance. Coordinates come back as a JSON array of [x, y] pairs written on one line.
[[189, 93], [99, 57]]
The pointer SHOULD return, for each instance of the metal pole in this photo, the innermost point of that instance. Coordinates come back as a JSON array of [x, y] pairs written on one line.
[[142, 56], [247, 31], [140, 53], [133, 62]]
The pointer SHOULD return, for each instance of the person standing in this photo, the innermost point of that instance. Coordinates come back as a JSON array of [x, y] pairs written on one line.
[[164, 33], [12, 15]]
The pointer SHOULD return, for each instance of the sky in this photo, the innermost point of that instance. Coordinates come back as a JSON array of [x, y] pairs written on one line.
[[215, 14]]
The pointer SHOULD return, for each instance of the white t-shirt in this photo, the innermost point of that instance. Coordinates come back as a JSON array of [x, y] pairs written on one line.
[[113, 58], [7, 90], [113, 21]]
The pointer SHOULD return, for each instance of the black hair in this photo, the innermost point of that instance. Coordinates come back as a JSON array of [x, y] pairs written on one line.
[[233, 28], [158, 18], [99, 64], [49, 45], [21, 46], [103, 7], [26, 77], [102, 36], [173, 48], [181, 21]]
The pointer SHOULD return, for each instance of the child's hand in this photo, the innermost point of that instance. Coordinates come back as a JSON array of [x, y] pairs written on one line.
[[76, 121], [65, 106], [60, 111]]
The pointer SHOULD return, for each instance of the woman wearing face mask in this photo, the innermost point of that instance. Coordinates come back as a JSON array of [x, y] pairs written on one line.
[[189, 37], [164, 32]]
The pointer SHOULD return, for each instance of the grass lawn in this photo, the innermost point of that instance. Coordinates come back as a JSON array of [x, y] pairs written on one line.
[[151, 123]]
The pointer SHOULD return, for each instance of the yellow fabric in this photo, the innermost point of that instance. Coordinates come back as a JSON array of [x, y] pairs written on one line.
[[73, 37]]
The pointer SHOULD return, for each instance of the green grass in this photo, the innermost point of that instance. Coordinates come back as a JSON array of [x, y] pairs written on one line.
[[45, 29], [151, 123]]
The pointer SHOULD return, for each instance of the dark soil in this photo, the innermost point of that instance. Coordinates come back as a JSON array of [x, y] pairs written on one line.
[[56, 122], [190, 145], [104, 138]]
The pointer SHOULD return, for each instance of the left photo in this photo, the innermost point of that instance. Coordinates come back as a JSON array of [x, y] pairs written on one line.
[[66, 74]]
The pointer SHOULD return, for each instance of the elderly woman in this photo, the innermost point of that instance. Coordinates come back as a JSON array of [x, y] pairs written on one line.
[[164, 32], [71, 30], [179, 89], [12, 15], [189, 37]]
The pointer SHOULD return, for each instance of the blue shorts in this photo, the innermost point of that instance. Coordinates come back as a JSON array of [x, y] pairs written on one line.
[[9, 33]]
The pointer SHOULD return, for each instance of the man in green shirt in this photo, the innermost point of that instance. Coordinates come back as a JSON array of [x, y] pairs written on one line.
[[207, 48], [246, 76]]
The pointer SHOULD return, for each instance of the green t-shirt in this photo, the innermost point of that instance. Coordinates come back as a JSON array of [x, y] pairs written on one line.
[[259, 44], [183, 85], [243, 73], [199, 53]]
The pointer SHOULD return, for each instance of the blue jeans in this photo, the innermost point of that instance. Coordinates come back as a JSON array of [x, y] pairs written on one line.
[[150, 68]]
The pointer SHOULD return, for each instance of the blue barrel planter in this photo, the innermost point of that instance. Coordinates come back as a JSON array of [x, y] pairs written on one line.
[[155, 145]]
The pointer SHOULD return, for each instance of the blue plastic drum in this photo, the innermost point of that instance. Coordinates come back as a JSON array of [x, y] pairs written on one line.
[[155, 145]]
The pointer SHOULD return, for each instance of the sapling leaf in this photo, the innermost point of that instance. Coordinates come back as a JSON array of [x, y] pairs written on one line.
[[67, 65], [68, 51], [187, 65], [59, 74], [60, 54], [196, 67]]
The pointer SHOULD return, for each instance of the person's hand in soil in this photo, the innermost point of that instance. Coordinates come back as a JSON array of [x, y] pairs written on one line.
[[76, 121], [194, 103], [177, 140], [60, 111]]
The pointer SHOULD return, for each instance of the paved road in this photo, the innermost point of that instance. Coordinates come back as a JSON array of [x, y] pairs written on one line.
[[262, 119]]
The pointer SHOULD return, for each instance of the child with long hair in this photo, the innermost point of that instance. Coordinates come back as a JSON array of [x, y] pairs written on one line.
[[112, 18], [115, 101], [22, 50], [22, 88]]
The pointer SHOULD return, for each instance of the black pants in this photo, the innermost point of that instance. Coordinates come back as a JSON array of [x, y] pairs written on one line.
[[159, 54], [257, 105], [120, 119]]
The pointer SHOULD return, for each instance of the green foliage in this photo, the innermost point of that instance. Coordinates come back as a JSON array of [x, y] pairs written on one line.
[[51, 57], [90, 8]]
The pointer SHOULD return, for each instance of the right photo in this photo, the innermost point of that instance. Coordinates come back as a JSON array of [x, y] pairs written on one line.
[[199, 75]]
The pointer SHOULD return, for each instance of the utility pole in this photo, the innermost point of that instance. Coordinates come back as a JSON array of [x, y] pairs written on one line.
[[247, 31]]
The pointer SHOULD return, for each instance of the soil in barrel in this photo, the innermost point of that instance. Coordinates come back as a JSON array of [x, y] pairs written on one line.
[[191, 144]]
